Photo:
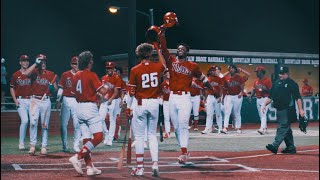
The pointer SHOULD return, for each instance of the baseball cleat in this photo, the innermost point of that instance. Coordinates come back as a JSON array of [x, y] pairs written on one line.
[[260, 131], [155, 170], [289, 150], [21, 147], [76, 148], [76, 163], [43, 151], [239, 131], [182, 159], [206, 131], [224, 131], [109, 142], [195, 129], [32, 150], [265, 131], [271, 148], [137, 172], [167, 135], [93, 171]]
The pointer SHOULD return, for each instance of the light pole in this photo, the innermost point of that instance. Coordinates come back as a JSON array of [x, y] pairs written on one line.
[[132, 28]]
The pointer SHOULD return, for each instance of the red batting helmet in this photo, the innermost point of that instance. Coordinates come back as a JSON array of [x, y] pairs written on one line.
[[24, 57], [42, 56], [74, 59], [170, 19], [110, 65], [259, 68]]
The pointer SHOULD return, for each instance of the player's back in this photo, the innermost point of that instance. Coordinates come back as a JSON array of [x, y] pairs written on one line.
[[146, 77]]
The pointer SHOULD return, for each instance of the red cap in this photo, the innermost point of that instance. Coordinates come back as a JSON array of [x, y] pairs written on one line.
[[24, 57], [305, 80], [110, 65], [259, 68], [212, 68], [74, 59], [42, 56]]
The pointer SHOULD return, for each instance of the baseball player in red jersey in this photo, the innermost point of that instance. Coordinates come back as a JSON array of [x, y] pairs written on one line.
[[196, 90], [165, 90], [40, 104], [261, 88], [306, 89], [145, 79], [109, 105], [119, 102], [20, 89], [213, 100], [86, 85], [181, 73], [234, 86], [69, 103]]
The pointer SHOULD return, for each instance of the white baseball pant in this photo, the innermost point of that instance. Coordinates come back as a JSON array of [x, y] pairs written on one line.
[[89, 119], [24, 113], [103, 111], [195, 101], [263, 116], [166, 114], [213, 106], [232, 103]]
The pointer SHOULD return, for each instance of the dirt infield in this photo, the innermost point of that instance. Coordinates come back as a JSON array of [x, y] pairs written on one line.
[[202, 165]]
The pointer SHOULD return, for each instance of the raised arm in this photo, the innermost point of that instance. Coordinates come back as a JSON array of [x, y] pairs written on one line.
[[163, 44]]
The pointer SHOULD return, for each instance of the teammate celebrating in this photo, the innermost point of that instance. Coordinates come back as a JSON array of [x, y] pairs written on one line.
[[195, 91], [85, 85], [261, 88], [234, 86], [109, 105], [20, 89], [213, 100], [144, 79], [181, 73], [40, 104], [68, 107]]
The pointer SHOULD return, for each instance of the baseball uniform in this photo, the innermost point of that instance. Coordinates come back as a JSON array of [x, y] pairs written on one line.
[[306, 90], [165, 90], [195, 91]]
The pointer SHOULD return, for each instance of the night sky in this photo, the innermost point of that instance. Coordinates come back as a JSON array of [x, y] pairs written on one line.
[[61, 29]]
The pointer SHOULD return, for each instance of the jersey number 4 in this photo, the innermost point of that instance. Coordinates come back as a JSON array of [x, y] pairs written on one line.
[[78, 87], [149, 80]]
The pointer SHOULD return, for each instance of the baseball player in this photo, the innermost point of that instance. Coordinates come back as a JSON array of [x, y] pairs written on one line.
[[86, 85], [108, 105], [3, 82], [306, 89], [181, 73], [20, 89], [196, 90], [213, 100], [40, 104], [233, 85], [261, 88], [145, 80], [165, 89], [68, 107]]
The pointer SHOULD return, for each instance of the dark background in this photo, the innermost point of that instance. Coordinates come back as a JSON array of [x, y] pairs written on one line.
[[61, 29]]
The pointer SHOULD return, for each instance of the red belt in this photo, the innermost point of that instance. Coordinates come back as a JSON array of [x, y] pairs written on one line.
[[180, 92]]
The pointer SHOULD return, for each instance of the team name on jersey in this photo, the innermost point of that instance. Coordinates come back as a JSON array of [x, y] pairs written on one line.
[[42, 81], [166, 90], [233, 83], [23, 82], [260, 86], [109, 85], [68, 82], [180, 69], [214, 83]]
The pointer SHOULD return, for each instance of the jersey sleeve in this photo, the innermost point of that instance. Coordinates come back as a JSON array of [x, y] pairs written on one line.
[[196, 71], [295, 91], [95, 82], [13, 81], [118, 83], [132, 80], [62, 81]]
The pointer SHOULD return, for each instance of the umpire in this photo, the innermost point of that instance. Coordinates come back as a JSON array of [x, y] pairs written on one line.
[[284, 93]]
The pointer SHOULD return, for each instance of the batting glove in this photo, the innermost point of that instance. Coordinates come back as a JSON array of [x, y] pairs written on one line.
[[38, 60]]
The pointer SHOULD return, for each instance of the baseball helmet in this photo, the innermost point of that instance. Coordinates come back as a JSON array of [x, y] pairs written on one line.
[[74, 59], [152, 34], [42, 56], [23, 57], [110, 65], [260, 68], [212, 68], [170, 19]]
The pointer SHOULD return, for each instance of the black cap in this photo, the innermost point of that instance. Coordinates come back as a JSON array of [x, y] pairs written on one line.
[[283, 70]]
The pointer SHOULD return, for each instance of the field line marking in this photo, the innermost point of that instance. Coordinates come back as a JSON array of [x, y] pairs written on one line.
[[17, 167], [287, 170]]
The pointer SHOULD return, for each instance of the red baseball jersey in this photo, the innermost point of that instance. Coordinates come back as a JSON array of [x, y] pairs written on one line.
[[181, 74], [196, 87], [307, 90], [260, 84], [233, 84], [112, 82], [123, 87], [21, 84], [40, 82], [145, 77], [216, 82], [165, 90], [85, 86], [66, 83]]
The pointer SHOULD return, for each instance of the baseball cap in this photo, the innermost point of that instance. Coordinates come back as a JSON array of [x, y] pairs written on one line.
[[259, 68], [305, 80], [23, 57], [74, 59], [42, 56], [110, 65], [283, 70]]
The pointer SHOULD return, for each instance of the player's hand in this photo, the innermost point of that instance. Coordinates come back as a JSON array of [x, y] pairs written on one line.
[[301, 112], [239, 69], [38, 60], [128, 113], [219, 100], [240, 95], [222, 101], [263, 108], [109, 102]]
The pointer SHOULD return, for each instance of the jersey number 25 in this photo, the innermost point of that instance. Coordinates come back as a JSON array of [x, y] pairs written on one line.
[[149, 80]]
